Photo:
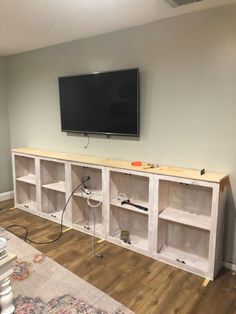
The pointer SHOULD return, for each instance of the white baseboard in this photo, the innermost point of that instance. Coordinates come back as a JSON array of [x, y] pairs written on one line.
[[6, 196], [229, 266]]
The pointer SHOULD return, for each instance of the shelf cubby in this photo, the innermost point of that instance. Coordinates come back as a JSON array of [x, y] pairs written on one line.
[[183, 246], [26, 195], [53, 203], [83, 216], [94, 184], [187, 204], [134, 222], [53, 175], [129, 186], [25, 169]]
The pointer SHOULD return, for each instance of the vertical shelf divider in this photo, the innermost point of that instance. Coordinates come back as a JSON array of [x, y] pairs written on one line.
[[153, 215], [38, 183]]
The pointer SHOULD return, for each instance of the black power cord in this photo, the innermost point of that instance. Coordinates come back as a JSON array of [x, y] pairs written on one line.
[[61, 223]]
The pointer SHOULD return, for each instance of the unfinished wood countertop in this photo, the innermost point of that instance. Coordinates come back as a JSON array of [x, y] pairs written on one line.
[[124, 164]]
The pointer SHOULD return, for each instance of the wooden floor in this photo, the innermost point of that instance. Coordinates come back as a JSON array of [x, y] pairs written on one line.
[[140, 283]]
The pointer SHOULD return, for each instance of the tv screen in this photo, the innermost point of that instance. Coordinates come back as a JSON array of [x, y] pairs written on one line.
[[105, 103]]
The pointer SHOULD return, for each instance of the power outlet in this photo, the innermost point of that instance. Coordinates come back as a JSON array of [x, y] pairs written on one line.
[[86, 179]]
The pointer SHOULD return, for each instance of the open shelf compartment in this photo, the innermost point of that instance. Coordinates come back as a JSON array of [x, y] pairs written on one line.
[[93, 185], [85, 218], [187, 204], [25, 169], [133, 187], [183, 246], [53, 203], [26, 195], [53, 175], [135, 223]]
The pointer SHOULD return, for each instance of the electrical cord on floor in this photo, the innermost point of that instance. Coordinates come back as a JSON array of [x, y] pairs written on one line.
[[26, 239]]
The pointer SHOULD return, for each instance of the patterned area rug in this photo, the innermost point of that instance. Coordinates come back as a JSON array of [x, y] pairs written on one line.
[[42, 286]]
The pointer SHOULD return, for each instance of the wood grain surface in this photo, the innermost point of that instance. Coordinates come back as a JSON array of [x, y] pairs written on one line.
[[142, 284]]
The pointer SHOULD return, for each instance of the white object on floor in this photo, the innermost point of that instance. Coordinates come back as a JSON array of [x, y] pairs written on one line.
[[3, 247], [6, 296]]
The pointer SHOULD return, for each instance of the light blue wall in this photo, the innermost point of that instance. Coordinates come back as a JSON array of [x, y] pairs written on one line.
[[5, 157]]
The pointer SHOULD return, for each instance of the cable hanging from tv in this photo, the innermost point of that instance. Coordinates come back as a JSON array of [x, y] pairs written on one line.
[[88, 141]]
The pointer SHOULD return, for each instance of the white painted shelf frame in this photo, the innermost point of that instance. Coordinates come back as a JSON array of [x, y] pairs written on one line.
[[171, 217], [83, 217]]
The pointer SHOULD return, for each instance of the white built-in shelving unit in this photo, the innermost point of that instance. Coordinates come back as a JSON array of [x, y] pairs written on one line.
[[173, 215]]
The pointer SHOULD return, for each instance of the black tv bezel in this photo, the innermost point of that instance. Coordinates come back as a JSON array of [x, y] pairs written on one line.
[[137, 134]]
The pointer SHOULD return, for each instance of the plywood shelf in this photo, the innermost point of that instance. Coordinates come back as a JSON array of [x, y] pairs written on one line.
[[57, 186], [32, 205], [186, 218], [96, 195], [30, 178], [182, 258], [117, 202], [56, 215], [89, 228], [135, 241]]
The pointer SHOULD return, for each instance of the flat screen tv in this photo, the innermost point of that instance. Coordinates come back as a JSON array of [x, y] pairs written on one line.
[[101, 103]]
